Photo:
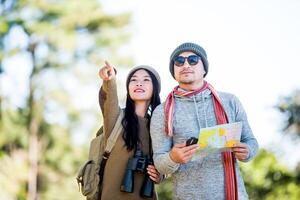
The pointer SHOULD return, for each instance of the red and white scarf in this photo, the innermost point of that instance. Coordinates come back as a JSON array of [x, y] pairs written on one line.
[[231, 187]]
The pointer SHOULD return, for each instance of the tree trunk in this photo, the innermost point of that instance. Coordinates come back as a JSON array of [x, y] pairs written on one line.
[[33, 129], [1, 95], [0, 103], [33, 160]]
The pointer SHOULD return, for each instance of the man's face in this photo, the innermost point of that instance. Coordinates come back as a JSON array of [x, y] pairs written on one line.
[[189, 74]]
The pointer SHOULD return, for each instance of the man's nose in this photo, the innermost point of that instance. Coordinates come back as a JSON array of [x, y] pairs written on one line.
[[186, 64]]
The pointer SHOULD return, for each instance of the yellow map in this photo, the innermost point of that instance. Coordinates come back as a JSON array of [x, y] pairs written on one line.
[[219, 137]]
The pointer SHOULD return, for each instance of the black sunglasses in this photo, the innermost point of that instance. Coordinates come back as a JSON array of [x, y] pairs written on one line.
[[192, 60]]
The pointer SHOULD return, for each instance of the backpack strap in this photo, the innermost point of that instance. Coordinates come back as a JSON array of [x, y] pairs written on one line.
[[115, 133], [110, 143]]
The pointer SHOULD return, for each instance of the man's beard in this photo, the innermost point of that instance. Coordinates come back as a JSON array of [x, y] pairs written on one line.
[[186, 81]]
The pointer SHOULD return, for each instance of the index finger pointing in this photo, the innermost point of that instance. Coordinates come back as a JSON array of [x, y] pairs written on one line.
[[107, 64]]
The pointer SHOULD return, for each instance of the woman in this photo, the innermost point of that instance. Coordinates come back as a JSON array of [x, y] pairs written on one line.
[[143, 87]]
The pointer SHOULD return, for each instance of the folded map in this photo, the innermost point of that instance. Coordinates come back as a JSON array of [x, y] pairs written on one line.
[[220, 137]]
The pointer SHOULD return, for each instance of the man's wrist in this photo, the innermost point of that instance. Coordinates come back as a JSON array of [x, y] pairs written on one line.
[[172, 157]]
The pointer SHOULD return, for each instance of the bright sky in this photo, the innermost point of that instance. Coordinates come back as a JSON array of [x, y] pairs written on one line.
[[252, 49]]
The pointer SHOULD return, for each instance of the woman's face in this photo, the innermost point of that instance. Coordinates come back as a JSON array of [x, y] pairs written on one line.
[[140, 86]]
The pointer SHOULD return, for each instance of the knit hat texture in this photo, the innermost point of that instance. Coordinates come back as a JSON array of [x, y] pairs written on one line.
[[146, 67], [188, 46]]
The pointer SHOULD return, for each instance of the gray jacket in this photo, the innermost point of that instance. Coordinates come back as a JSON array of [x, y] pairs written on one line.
[[203, 176]]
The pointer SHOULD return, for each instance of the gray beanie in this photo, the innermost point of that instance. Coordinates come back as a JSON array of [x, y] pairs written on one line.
[[189, 47], [146, 67]]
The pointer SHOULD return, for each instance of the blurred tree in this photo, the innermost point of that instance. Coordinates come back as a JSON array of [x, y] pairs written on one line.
[[164, 189], [266, 178], [290, 107], [57, 36]]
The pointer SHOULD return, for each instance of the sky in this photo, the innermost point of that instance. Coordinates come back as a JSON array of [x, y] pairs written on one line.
[[252, 48]]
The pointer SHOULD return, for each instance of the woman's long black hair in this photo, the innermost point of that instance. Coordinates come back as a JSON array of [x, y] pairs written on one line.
[[130, 121]]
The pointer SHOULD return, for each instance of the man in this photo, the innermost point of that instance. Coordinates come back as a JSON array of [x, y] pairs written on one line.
[[193, 105]]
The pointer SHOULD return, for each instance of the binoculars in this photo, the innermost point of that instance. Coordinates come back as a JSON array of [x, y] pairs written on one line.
[[138, 163]]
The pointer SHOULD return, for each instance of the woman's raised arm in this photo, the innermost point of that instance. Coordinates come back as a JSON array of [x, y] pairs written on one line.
[[108, 98]]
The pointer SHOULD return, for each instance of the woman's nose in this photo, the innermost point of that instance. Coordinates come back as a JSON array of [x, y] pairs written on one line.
[[139, 83]]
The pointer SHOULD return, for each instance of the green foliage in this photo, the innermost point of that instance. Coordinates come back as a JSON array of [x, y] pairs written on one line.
[[290, 107], [13, 127], [266, 178], [63, 27], [164, 189], [13, 175], [63, 38]]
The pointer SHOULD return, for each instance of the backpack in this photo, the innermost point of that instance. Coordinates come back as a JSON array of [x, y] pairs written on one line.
[[90, 175]]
